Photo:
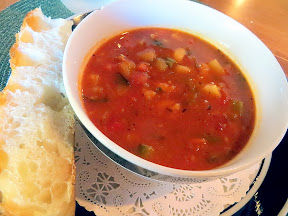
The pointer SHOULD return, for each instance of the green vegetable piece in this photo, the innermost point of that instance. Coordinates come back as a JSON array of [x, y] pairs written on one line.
[[120, 79], [158, 43], [145, 150], [211, 138], [96, 99], [170, 61], [213, 158], [237, 107], [159, 90]]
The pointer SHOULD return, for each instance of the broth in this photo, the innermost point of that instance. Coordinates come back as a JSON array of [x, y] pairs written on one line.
[[169, 97]]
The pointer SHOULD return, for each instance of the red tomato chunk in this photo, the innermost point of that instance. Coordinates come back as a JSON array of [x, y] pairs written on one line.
[[169, 97]]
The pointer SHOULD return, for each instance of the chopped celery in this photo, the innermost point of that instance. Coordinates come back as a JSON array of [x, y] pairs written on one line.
[[211, 138], [237, 107], [145, 150]]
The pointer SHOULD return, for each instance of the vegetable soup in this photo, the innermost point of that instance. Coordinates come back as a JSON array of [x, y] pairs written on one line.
[[169, 97]]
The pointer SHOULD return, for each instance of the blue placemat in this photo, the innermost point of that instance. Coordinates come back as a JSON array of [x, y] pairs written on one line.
[[11, 19]]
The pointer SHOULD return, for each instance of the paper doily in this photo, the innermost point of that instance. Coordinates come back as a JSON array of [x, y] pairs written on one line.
[[108, 189]]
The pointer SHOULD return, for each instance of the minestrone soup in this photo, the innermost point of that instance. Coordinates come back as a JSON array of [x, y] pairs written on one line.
[[169, 97]]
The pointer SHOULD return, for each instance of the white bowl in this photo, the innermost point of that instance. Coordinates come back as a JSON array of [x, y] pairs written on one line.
[[260, 67]]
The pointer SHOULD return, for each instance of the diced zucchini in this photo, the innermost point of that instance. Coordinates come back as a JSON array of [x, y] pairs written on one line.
[[161, 64], [182, 69], [121, 80], [145, 150], [170, 62], [158, 43], [179, 54], [211, 138], [148, 55], [237, 107], [96, 99], [97, 95], [159, 90], [216, 68], [213, 158], [212, 90]]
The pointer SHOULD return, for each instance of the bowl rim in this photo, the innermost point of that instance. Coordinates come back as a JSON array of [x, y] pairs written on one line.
[[222, 170]]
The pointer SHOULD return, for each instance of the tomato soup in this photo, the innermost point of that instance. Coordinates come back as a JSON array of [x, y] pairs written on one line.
[[169, 97]]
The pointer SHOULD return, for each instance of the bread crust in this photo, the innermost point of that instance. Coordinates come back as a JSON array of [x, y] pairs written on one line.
[[37, 168]]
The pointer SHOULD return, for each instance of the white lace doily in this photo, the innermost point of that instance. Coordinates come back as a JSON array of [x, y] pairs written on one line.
[[109, 189]]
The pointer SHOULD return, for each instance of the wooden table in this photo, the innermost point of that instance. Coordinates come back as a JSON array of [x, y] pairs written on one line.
[[268, 19], [6, 3]]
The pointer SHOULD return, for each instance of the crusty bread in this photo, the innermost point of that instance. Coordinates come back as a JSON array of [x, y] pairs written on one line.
[[37, 124]]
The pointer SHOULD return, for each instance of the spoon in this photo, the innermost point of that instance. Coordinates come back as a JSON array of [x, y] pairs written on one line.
[[78, 18]]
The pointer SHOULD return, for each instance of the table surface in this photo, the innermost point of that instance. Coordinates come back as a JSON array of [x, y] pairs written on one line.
[[267, 19]]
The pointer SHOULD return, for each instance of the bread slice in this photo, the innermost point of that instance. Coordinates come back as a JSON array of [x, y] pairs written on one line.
[[37, 124]]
